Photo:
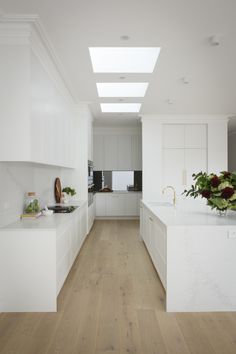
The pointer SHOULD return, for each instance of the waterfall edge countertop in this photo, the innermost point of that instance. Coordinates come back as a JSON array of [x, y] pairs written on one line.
[[53, 222], [189, 213]]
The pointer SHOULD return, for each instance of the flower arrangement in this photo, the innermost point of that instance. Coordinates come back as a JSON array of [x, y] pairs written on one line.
[[220, 191]]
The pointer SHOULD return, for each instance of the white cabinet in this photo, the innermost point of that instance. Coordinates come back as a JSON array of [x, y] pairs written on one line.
[[124, 152], [35, 260], [154, 237], [136, 156], [120, 152], [115, 204], [184, 153], [118, 204], [98, 153], [111, 152], [37, 116], [91, 214], [100, 204]]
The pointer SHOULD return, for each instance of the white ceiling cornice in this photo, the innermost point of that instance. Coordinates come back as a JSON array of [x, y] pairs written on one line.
[[28, 29]]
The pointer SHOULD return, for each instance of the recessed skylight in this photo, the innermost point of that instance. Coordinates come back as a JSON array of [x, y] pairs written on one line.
[[124, 59], [120, 107], [124, 89]]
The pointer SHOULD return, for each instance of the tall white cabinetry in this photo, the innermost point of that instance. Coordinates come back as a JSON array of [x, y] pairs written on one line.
[[176, 146], [37, 114], [119, 150], [184, 153]]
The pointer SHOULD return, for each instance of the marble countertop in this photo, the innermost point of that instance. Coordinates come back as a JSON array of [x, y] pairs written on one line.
[[120, 192], [190, 213], [51, 223]]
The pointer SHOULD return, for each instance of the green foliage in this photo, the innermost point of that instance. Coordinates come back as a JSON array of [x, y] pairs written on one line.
[[33, 207], [219, 190], [69, 191]]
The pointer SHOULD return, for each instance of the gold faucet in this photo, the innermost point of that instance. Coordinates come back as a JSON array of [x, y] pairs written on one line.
[[174, 193]]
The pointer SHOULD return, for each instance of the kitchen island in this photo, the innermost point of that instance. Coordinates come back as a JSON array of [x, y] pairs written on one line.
[[36, 257], [194, 252]]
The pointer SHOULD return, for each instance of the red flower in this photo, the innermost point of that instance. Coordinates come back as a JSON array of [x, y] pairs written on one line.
[[227, 192], [206, 194], [215, 181], [226, 174]]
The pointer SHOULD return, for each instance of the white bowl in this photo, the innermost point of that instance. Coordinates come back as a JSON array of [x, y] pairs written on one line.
[[47, 212]]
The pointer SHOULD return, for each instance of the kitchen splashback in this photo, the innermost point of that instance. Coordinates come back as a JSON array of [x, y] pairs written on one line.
[[17, 178]]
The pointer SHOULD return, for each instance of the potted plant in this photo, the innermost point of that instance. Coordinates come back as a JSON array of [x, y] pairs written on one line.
[[68, 194], [218, 190]]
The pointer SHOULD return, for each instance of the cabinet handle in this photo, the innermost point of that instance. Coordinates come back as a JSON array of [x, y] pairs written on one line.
[[151, 219]]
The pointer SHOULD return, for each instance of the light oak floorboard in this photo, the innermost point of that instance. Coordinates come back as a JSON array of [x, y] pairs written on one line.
[[113, 303]]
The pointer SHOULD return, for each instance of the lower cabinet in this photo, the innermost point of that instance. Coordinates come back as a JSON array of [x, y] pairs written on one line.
[[153, 233], [69, 241], [118, 204], [35, 259], [91, 214]]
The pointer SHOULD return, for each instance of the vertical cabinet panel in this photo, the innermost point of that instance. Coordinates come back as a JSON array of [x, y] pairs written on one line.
[[98, 152], [173, 168], [179, 163], [196, 136], [117, 152], [136, 153], [173, 136], [195, 161], [124, 152], [111, 152], [131, 204]]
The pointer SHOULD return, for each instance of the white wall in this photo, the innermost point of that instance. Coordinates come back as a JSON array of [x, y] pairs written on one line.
[[232, 151]]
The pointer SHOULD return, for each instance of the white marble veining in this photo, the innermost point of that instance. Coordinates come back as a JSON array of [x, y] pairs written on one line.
[[190, 213], [199, 259]]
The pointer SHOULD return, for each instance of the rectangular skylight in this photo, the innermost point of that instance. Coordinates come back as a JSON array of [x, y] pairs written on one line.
[[124, 89], [120, 107], [124, 59]]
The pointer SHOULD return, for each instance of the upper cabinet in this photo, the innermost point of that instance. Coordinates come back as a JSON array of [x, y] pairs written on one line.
[[37, 114], [117, 151]]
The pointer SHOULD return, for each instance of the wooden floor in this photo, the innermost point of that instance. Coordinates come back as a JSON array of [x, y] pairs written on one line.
[[113, 302]]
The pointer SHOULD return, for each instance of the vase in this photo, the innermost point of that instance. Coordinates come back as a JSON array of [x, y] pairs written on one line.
[[222, 212]]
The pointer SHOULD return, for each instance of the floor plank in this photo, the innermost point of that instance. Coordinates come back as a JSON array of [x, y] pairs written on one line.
[[113, 303]]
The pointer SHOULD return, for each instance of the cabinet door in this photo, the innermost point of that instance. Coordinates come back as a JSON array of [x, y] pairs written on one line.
[[173, 168], [195, 136], [98, 153], [195, 161], [131, 204], [100, 204], [173, 136], [115, 204], [136, 156], [124, 152], [111, 152]]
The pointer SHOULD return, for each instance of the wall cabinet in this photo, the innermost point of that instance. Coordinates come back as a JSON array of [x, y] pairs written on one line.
[[37, 117], [121, 152], [118, 204]]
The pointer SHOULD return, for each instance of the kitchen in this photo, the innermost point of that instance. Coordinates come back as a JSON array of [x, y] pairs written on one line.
[[132, 267]]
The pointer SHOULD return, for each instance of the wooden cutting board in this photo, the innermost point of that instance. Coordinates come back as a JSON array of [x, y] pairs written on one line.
[[57, 190]]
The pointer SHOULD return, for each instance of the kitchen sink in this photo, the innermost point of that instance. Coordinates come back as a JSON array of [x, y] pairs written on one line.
[[62, 209], [162, 204]]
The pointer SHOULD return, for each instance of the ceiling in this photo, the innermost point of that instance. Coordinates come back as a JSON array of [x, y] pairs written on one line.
[[181, 28]]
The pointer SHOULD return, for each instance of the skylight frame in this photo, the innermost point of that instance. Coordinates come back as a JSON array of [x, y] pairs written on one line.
[[124, 59], [120, 107], [122, 89]]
